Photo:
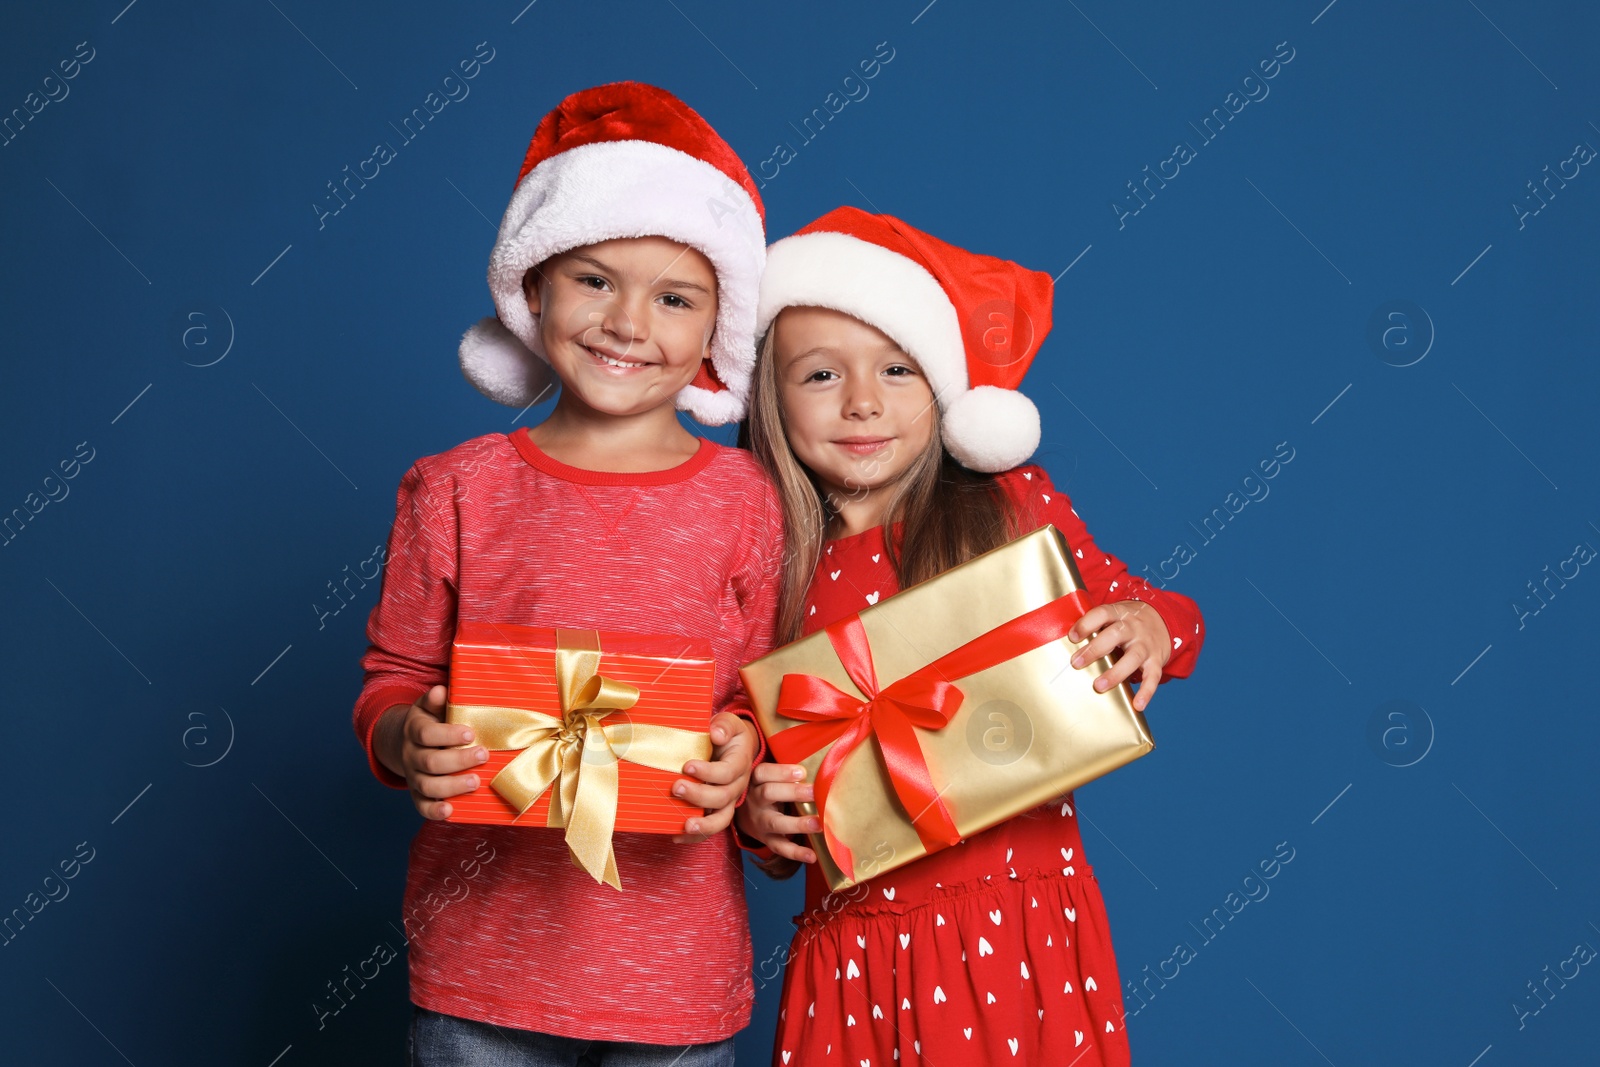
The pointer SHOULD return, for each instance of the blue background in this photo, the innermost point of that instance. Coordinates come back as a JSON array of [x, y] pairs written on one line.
[[181, 688]]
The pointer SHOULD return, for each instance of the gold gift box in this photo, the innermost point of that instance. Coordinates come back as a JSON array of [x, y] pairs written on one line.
[[1027, 730]]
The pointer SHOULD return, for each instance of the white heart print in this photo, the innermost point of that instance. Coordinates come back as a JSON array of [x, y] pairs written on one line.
[[872, 597]]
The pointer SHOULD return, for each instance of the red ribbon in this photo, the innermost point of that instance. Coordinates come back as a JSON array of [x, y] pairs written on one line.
[[927, 698]]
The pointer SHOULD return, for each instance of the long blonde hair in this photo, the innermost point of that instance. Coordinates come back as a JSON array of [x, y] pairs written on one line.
[[947, 513]]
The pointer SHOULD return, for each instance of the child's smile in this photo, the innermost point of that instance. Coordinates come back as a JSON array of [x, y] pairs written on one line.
[[862, 445], [621, 364]]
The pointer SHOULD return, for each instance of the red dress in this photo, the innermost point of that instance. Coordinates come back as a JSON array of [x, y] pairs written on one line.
[[996, 950]]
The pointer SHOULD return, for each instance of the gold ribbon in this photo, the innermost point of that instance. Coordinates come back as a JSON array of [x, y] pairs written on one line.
[[578, 752]]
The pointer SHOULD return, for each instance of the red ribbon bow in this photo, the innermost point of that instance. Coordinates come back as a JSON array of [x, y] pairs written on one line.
[[927, 698]]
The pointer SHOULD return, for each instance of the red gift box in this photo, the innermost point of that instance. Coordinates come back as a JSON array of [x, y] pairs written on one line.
[[580, 702]]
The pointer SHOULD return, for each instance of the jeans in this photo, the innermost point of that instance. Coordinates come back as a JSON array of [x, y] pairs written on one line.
[[439, 1040]]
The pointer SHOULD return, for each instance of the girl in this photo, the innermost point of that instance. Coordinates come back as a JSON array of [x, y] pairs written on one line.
[[884, 407]]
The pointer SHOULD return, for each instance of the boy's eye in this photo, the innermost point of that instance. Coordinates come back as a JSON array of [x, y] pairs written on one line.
[[900, 370]]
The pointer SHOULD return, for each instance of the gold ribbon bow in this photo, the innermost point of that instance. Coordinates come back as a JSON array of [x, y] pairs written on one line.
[[579, 751]]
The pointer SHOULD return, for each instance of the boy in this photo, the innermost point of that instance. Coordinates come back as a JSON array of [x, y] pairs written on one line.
[[625, 270]]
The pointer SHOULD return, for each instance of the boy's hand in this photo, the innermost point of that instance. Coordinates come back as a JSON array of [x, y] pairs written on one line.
[[721, 781], [766, 817], [1134, 627], [416, 743]]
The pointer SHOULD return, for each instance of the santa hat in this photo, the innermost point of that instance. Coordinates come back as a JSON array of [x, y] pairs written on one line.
[[625, 160], [972, 322]]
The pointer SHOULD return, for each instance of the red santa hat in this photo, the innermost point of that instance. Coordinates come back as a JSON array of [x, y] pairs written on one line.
[[972, 322], [625, 160]]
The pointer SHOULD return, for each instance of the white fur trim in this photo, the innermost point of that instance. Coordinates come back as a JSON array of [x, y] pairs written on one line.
[[598, 192], [502, 367], [875, 285], [991, 429]]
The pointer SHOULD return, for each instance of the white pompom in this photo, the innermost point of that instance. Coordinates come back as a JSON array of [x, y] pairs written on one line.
[[991, 429], [710, 408], [502, 367]]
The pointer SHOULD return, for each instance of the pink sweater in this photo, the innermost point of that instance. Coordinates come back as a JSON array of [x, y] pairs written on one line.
[[503, 928]]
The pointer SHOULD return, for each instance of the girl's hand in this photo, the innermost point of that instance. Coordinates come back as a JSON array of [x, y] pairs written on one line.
[[766, 816], [717, 785], [1134, 627], [416, 743]]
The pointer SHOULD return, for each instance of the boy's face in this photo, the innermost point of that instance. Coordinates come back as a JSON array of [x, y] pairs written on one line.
[[625, 322], [856, 409]]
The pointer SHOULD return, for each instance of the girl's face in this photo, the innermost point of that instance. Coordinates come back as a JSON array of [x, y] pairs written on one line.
[[857, 409], [625, 322]]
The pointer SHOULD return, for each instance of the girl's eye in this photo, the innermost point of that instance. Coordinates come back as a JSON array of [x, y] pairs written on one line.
[[673, 300], [820, 375], [900, 370], [591, 281]]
